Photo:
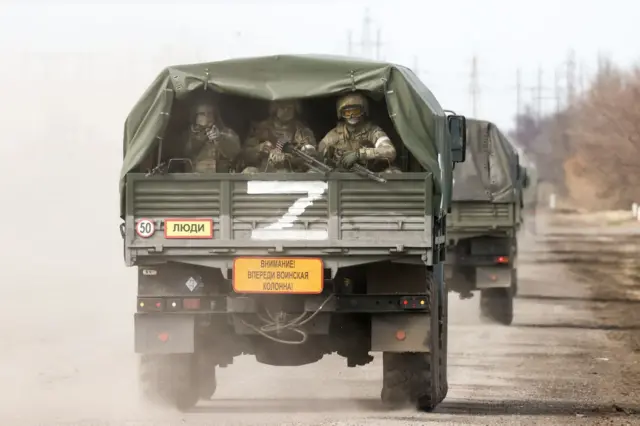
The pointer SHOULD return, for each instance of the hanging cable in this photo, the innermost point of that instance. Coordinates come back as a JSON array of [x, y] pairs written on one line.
[[274, 324]]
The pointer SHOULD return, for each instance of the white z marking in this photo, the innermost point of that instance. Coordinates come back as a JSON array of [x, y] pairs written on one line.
[[314, 190]]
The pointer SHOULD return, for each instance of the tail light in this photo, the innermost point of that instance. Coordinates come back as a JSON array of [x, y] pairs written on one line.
[[192, 304]]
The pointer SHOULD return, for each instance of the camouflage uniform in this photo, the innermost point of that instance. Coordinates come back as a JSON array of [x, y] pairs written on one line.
[[356, 140], [210, 145], [259, 149]]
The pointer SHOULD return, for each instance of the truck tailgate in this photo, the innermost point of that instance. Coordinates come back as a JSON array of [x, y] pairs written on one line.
[[240, 215]]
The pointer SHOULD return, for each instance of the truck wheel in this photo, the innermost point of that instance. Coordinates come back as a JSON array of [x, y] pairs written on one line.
[[419, 378], [497, 304], [207, 383], [169, 380], [514, 281], [407, 379]]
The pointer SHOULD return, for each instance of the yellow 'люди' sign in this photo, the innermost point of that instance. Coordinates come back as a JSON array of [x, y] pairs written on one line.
[[278, 275], [188, 228]]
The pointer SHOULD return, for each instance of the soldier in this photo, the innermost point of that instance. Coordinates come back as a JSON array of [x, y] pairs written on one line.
[[282, 125], [355, 139], [211, 146]]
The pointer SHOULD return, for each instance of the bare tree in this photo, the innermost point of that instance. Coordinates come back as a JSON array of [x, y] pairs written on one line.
[[591, 150], [604, 136]]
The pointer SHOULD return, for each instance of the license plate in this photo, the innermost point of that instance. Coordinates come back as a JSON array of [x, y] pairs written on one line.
[[278, 275], [188, 228]]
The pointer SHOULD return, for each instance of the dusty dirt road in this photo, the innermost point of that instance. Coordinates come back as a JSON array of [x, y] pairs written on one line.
[[571, 356]]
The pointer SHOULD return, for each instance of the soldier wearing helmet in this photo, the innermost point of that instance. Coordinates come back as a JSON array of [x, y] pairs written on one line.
[[211, 146], [283, 125], [356, 139]]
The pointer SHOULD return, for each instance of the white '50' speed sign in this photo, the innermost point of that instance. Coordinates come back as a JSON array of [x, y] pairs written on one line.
[[145, 228]]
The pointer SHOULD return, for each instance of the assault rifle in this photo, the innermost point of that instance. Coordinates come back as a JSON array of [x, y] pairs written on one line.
[[287, 147], [356, 168], [164, 167]]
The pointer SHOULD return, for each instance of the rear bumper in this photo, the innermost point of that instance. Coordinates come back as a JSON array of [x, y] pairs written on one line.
[[216, 305], [165, 332]]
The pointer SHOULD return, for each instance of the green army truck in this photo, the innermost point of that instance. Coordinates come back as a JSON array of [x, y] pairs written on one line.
[[289, 267], [485, 216]]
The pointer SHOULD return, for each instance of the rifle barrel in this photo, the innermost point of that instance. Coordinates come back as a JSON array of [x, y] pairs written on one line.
[[358, 168], [311, 161]]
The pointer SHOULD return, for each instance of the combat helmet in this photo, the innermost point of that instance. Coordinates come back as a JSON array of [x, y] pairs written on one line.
[[352, 100], [273, 105]]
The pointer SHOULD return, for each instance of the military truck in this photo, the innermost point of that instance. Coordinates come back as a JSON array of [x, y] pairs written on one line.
[[485, 216], [289, 267]]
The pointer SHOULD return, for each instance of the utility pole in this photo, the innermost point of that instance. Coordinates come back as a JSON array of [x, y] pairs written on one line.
[[571, 78], [368, 48], [539, 93], [416, 68], [366, 35], [474, 89], [557, 91], [519, 91]]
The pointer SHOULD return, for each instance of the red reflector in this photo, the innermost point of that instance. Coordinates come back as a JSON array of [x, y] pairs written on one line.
[[163, 337], [158, 305], [502, 259], [191, 303]]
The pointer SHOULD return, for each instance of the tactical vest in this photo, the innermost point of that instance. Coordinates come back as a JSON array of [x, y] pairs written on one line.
[[356, 140]]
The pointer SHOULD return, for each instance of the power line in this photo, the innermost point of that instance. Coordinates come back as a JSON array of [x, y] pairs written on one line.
[[368, 47]]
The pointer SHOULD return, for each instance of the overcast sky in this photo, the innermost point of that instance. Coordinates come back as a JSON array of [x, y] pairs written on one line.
[[440, 37]]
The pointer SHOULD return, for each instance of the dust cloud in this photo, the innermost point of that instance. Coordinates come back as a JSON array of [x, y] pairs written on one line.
[[66, 315], [66, 327]]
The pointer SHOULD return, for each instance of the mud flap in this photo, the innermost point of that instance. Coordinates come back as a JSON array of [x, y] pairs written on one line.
[[164, 334], [416, 328], [448, 272], [493, 277]]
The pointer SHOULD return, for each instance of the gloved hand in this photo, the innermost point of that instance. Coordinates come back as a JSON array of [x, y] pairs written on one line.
[[213, 133], [265, 147], [349, 159], [276, 157]]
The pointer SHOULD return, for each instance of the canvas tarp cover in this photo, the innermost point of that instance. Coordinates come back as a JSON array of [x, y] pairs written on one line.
[[417, 115], [530, 193], [489, 170]]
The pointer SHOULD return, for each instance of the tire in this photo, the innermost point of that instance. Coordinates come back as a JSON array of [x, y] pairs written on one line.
[[514, 270], [496, 304], [169, 380], [408, 378], [207, 383]]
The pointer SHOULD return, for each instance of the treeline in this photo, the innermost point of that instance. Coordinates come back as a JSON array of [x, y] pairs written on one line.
[[590, 151]]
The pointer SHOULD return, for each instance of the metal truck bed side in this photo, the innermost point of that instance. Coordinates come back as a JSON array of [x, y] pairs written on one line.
[[258, 215]]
